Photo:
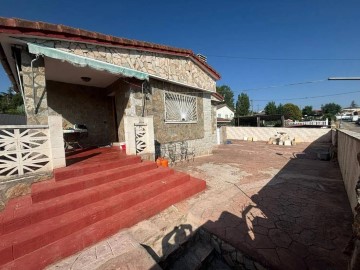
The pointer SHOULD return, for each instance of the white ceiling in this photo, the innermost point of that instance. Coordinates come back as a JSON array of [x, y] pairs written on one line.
[[56, 70]]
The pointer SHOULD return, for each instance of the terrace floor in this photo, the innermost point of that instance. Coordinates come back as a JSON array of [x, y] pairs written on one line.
[[280, 205]]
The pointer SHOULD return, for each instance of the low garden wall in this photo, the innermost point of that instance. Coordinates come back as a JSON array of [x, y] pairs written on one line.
[[348, 150], [264, 133]]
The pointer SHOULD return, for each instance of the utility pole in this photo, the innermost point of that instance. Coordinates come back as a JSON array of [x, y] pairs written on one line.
[[252, 107]]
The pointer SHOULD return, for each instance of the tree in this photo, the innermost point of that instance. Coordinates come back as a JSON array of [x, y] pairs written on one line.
[[11, 102], [291, 111], [270, 108], [280, 109], [228, 95], [242, 105], [353, 104], [330, 110], [307, 111]]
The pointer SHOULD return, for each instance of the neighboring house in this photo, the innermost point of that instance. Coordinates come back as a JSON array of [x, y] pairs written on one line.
[[111, 85], [350, 114], [224, 115]]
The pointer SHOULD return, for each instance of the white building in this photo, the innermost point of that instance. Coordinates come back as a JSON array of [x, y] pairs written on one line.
[[224, 114]]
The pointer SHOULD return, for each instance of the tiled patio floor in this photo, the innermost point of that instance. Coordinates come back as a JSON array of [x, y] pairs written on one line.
[[280, 205]]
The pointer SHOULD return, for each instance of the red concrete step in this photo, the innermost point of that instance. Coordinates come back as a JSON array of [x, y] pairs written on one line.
[[49, 189], [108, 161], [21, 242], [50, 208], [72, 243]]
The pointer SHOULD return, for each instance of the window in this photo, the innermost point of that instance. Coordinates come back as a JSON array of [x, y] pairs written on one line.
[[226, 116], [180, 108], [219, 115]]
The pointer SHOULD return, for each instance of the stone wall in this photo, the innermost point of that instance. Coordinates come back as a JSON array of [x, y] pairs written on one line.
[[174, 132], [87, 105], [169, 67], [264, 133], [34, 84]]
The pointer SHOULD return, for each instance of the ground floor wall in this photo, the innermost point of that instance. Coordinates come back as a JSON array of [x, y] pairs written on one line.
[[135, 98], [80, 104]]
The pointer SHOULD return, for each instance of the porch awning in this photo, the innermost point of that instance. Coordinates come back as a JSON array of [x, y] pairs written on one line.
[[85, 61]]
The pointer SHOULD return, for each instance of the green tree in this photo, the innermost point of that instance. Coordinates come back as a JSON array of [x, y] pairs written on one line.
[[308, 110], [242, 105], [11, 102], [291, 111], [228, 95], [330, 110], [353, 104], [270, 108], [280, 109]]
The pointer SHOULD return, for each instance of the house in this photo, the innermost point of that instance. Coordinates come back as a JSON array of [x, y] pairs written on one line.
[[224, 114], [117, 91], [111, 85]]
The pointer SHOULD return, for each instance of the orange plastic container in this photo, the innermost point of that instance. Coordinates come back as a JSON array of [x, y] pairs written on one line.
[[164, 163]]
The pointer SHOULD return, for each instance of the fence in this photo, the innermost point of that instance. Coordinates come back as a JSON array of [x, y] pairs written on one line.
[[308, 123], [24, 149]]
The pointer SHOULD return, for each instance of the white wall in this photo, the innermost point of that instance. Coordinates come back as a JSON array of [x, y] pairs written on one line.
[[264, 133], [348, 149], [223, 112]]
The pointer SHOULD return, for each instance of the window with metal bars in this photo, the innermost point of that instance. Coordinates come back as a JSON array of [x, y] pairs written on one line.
[[180, 108]]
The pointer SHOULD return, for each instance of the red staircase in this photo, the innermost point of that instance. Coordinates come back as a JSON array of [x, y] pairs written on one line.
[[103, 192]]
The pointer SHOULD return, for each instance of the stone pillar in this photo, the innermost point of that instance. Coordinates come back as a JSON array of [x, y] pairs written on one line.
[[209, 136], [56, 141], [34, 84]]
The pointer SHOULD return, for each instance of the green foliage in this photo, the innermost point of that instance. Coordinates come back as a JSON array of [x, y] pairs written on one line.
[[280, 109], [330, 110], [308, 111], [228, 95], [353, 104], [270, 108], [291, 111], [242, 105], [11, 102]]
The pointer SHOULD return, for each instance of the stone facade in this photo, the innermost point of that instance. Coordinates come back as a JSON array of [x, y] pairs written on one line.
[[102, 109], [87, 105], [129, 102], [34, 85], [168, 67]]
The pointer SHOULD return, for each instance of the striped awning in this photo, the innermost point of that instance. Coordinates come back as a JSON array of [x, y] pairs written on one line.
[[85, 61]]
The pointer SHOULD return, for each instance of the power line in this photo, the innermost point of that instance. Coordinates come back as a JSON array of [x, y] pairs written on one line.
[[284, 59], [281, 85], [285, 99]]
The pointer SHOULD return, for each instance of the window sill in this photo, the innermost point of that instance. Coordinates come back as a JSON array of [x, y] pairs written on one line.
[[180, 122]]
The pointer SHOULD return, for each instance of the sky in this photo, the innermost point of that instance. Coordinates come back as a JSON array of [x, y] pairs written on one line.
[[252, 44]]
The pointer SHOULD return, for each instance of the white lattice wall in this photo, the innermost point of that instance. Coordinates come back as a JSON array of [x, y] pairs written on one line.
[[29, 149], [24, 149]]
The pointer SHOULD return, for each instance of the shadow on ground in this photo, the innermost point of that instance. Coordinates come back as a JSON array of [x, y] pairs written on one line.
[[299, 218]]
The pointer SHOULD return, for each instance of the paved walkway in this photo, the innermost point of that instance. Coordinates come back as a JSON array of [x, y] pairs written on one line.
[[280, 205]]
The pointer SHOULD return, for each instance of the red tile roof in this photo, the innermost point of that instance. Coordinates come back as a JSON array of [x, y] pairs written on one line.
[[218, 96], [57, 31]]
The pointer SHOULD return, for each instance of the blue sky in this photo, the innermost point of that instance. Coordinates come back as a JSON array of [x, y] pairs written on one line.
[[231, 34]]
